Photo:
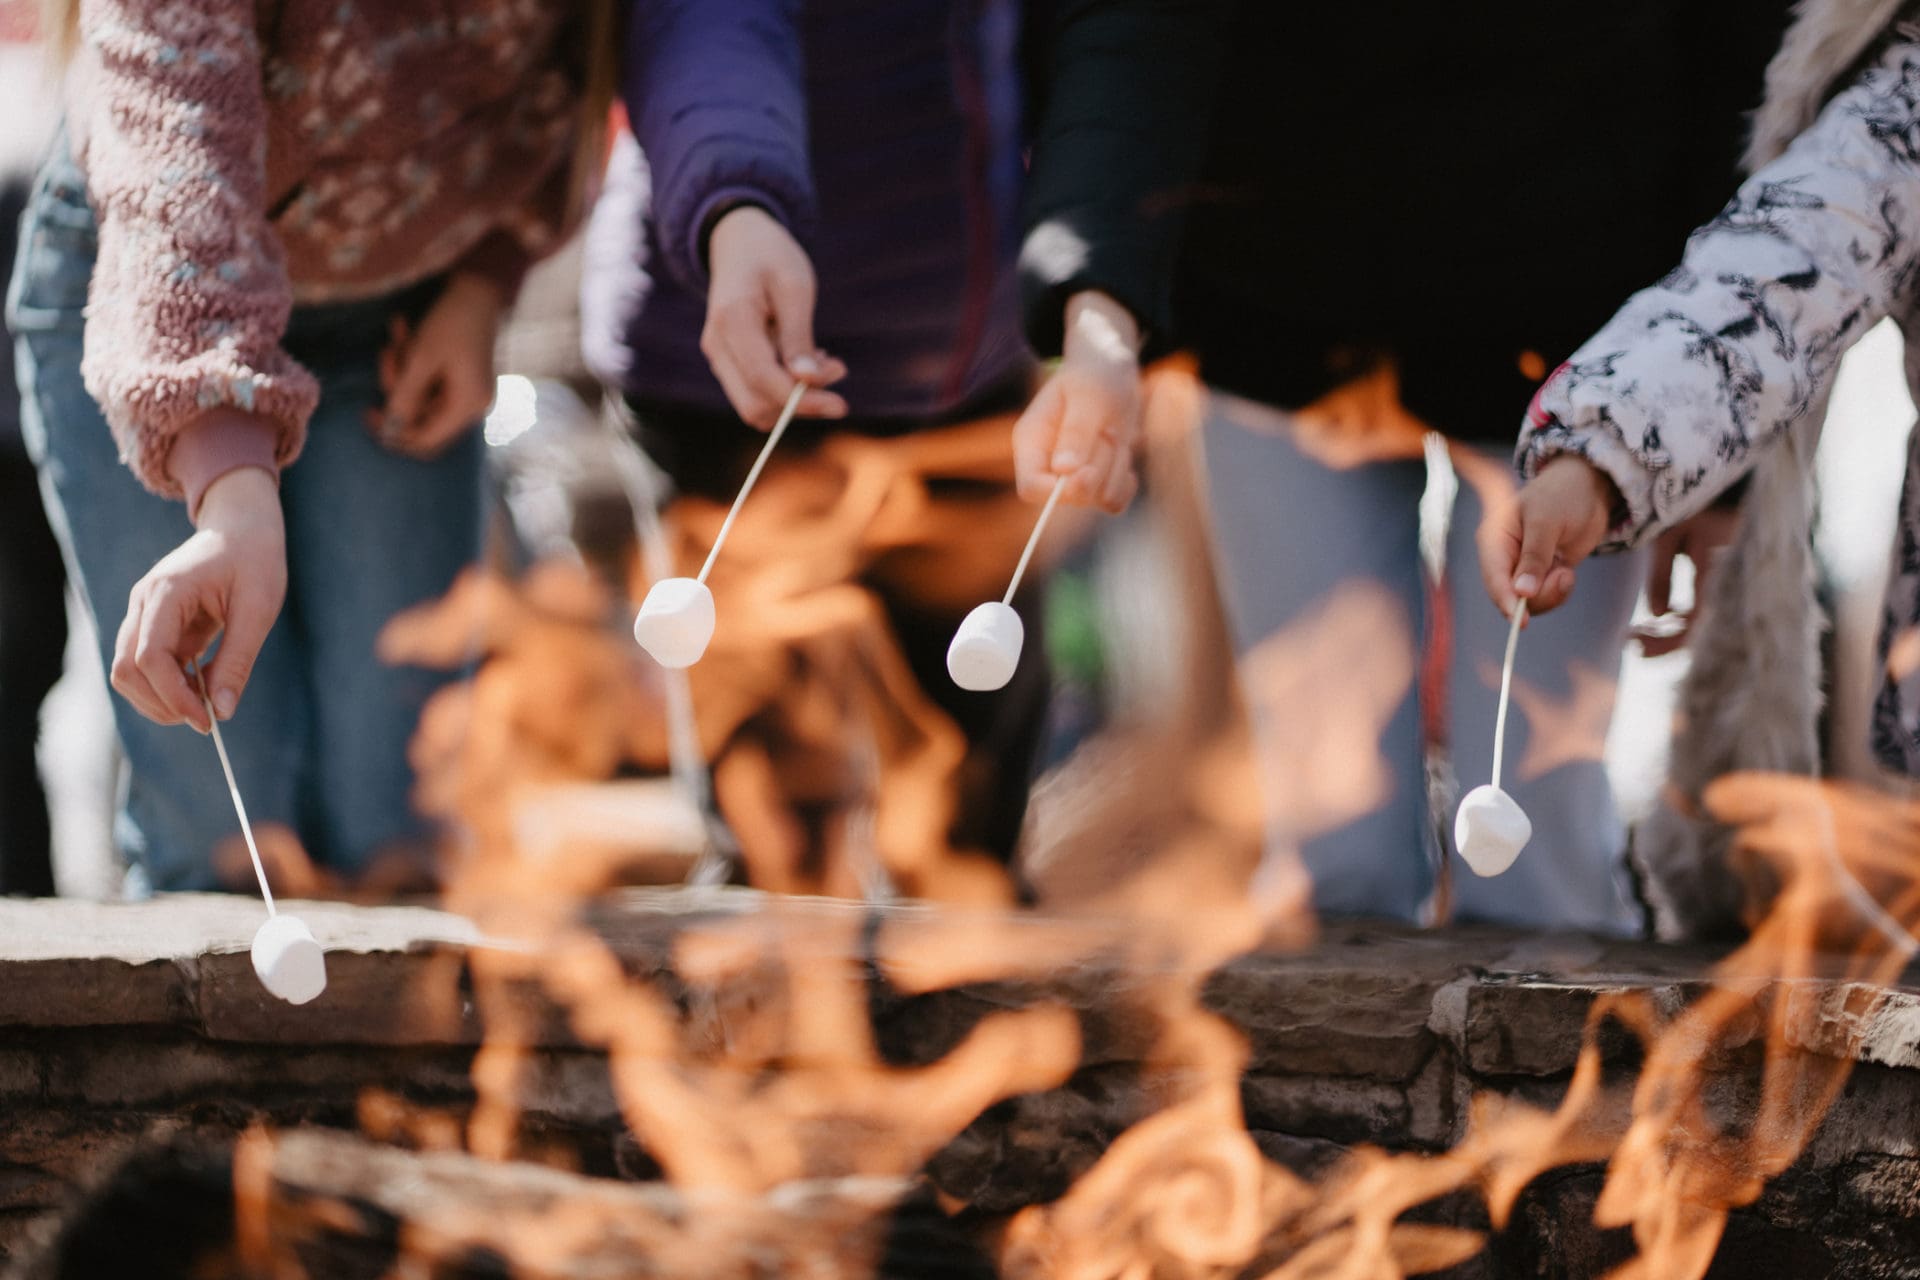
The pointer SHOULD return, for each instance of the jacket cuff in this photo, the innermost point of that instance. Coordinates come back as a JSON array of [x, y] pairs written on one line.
[[501, 260], [220, 441], [1634, 519], [717, 204], [1056, 263]]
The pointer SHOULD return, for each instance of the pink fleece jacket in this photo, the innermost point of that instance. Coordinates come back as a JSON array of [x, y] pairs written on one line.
[[247, 155]]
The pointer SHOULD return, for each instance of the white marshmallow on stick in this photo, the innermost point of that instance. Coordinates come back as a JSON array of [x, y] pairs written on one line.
[[986, 649], [1491, 828], [287, 958], [676, 619]]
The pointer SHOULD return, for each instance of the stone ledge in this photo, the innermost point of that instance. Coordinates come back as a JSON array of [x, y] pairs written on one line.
[[183, 962], [120, 1022]]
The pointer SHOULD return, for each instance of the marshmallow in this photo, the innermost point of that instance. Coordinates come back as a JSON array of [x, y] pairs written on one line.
[[288, 960], [986, 648], [676, 622], [1490, 830]]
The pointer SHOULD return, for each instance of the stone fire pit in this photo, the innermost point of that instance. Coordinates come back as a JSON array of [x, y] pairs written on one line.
[[123, 1024]]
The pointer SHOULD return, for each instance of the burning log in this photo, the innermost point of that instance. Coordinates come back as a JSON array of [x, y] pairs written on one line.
[[329, 1205]]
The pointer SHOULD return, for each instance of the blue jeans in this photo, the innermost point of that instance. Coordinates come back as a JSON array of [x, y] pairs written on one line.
[[319, 743], [1294, 534]]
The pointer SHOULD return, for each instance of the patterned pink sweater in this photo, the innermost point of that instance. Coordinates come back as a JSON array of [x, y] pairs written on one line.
[[247, 155]]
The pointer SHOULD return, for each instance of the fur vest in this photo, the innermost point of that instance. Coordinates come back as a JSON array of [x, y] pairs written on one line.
[[1752, 698]]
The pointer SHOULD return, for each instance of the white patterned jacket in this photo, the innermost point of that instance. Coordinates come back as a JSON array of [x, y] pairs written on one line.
[[1698, 379]]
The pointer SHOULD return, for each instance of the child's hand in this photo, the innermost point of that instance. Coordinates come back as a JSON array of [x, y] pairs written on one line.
[[439, 380], [1085, 423], [1701, 540], [1530, 547], [759, 332], [228, 579]]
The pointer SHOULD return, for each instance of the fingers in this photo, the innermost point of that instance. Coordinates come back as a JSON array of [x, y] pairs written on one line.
[[1499, 542], [250, 617], [231, 574], [1123, 482], [819, 370], [413, 379], [1033, 442], [1553, 591], [742, 342], [393, 356], [127, 678], [792, 296], [171, 632], [738, 343], [1660, 574], [1086, 483], [1081, 430], [455, 404], [1539, 542]]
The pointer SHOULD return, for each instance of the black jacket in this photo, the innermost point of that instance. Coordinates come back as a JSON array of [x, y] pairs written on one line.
[[1296, 192]]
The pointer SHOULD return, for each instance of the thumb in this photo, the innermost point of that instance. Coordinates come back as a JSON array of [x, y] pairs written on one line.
[[791, 294], [1033, 440], [411, 383], [1539, 540], [249, 618]]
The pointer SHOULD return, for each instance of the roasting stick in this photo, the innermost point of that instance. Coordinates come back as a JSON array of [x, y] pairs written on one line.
[[1506, 689], [686, 764], [288, 960], [1491, 828], [986, 649], [233, 789], [1033, 539], [753, 476], [676, 620]]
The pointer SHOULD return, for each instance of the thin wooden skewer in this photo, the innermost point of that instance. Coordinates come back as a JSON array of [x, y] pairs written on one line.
[[1506, 691], [753, 476], [233, 789], [1033, 539]]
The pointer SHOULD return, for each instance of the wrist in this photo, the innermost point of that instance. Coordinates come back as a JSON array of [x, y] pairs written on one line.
[[478, 291], [727, 222], [1601, 497], [1097, 325], [243, 499], [219, 441]]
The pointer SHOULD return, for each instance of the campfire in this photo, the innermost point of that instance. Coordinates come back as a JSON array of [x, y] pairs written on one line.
[[872, 1058]]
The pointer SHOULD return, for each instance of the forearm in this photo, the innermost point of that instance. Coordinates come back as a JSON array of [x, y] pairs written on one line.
[[189, 298], [1129, 107], [1673, 399], [715, 93]]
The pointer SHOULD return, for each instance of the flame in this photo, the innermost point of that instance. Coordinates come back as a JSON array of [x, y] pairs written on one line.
[[746, 1061]]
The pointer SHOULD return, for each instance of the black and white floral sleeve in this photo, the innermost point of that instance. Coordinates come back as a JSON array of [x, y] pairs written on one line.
[[1672, 398]]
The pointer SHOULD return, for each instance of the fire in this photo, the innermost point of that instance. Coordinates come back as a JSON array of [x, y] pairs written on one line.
[[748, 1061]]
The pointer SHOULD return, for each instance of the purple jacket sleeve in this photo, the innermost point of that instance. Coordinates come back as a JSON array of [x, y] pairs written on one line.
[[716, 95]]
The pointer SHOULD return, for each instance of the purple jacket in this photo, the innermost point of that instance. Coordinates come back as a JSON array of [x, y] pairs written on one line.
[[885, 134]]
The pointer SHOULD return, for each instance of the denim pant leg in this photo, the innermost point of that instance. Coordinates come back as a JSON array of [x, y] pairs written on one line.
[[1573, 873], [112, 531], [369, 534], [1291, 533]]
